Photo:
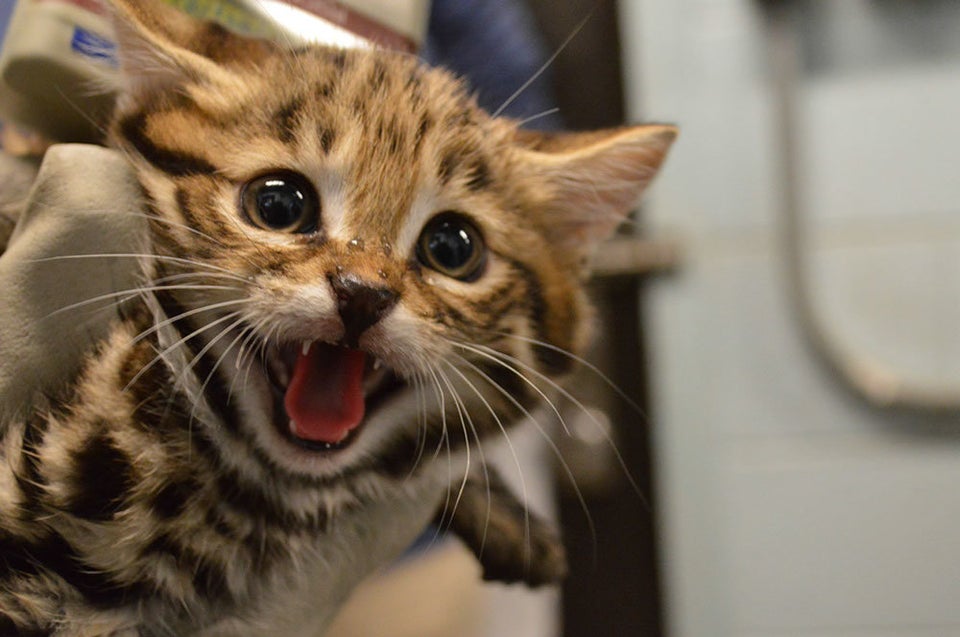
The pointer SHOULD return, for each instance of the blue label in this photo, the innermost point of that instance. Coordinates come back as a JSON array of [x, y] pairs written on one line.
[[6, 10], [91, 45]]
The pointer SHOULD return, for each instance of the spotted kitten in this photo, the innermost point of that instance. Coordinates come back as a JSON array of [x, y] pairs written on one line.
[[354, 276]]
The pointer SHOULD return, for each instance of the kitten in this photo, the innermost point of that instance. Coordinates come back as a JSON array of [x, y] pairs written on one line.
[[355, 277]]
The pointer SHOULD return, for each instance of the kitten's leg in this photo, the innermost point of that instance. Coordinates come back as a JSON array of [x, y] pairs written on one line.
[[493, 525]]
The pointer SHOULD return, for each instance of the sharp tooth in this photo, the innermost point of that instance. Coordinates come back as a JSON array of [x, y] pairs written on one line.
[[306, 347], [293, 427], [377, 363]]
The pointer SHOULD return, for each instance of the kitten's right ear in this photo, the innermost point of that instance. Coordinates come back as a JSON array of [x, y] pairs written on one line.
[[592, 180], [160, 47]]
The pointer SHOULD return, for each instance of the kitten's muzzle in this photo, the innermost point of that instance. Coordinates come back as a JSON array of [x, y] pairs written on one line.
[[380, 383], [360, 305]]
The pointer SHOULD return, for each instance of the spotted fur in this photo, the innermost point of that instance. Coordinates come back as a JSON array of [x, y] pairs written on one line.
[[159, 497]]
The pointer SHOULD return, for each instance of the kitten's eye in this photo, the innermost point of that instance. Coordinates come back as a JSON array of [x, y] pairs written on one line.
[[451, 245], [282, 202]]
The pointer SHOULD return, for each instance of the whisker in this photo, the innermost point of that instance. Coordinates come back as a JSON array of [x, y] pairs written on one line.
[[486, 473], [546, 65], [182, 376], [464, 418], [135, 255], [583, 408], [582, 361], [159, 326], [444, 439], [219, 360], [443, 406], [564, 465], [550, 111], [494, 355], [143, 370], [419, 381], [201, 276], [132, 292], [177, 224]]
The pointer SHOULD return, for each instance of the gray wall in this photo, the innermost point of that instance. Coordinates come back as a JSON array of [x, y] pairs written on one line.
[[788, 506]]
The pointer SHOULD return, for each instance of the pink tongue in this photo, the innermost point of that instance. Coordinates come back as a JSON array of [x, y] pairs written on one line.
[[325, 396]]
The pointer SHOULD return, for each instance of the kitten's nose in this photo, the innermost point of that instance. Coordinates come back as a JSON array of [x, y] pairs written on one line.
[[360, 305]]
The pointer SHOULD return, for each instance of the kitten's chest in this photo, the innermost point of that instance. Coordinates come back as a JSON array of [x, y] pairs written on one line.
[[323, 573]]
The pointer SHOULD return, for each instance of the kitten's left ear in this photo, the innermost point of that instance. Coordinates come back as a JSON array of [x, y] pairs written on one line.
[[593, 179], [161, 47]]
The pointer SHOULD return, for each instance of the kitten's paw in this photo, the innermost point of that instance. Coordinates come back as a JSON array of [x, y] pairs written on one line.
[[511, 544], [511, 556]]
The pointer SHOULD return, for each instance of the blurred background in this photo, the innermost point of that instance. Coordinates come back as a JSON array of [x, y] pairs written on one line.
[[804, 361], [781, 321], [801, 361]]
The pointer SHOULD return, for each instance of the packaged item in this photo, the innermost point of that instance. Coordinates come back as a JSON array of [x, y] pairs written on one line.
[[58, 56]]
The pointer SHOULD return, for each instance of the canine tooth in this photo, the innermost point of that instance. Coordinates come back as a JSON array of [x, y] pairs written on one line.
[[306, 347], [377, 363], [293, 427]]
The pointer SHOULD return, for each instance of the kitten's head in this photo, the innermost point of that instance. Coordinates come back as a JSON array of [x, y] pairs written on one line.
[[379, 259]]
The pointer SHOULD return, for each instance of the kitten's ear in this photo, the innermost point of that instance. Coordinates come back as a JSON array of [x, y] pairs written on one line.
[[160, 47], [593, 179]]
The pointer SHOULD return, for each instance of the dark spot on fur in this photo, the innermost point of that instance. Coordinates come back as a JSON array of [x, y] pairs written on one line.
[[31, 482], [389, 133], [479, 178], [217, 392], [379, 75], [422, 129], [250, 500], [182, 197], [359, 106], [399, 457], [173, 162], [171, 500], [325, 89], [537, 313], [414, 86], [509, 381], [102, 479], [327, 137], [8, 627], [552, 361], [209, 578], [287, 119], [396, 139], [53, 554], [216, 522], [448, 165], [174, 310]]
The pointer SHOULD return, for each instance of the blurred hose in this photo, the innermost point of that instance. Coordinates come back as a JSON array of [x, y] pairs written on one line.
[[871, 380]]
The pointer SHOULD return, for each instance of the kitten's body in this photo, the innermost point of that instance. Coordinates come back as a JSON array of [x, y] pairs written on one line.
[[169, 492]]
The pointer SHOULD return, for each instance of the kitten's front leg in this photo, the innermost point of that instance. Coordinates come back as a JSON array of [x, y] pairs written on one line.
[[492, 522]]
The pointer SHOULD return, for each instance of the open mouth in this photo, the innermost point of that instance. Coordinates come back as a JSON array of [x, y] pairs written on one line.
[[323, 393]]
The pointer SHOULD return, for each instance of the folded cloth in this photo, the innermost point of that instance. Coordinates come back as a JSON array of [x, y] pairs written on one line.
[[16, 176], [84, 204]]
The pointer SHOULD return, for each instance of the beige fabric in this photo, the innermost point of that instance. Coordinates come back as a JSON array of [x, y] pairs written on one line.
[[16, 177], [436, 594], [70, 211]]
